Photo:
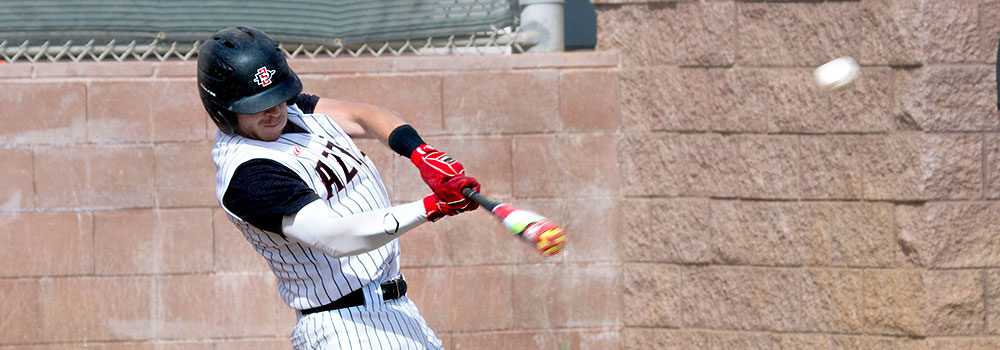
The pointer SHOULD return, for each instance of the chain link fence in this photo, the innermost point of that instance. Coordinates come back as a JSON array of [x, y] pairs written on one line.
[[499, 41], [44, 31]]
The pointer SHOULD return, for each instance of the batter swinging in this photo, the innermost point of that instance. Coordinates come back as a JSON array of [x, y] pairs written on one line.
[[311, 203]]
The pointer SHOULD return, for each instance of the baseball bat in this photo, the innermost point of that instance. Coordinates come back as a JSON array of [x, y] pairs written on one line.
[[547, 237]]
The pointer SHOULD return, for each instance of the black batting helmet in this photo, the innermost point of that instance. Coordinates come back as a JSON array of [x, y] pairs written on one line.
[[241, 70]]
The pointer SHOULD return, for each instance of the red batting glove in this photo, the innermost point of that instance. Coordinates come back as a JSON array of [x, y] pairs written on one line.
[[451, 193], [437, 209], [434, 213], [437, 168]]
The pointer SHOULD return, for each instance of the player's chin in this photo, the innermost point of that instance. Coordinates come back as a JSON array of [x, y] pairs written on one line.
[[271, 132]]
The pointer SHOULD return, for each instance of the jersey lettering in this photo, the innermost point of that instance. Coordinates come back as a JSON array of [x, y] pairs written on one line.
[[328, 176]]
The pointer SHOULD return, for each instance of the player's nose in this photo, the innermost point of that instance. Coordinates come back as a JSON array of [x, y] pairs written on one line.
[[273, 111]]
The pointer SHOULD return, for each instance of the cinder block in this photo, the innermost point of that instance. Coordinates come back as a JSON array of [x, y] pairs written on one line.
[[832, 301], [970, 343], [486, 158], [501, 103], [232, 252], [672, 165], [177, 112], [953, 33], [185, 175], [992, 300], [428, 244], [946, 98], [591, 226], [46, 244], [803, 33], [526, 339], [764, 233], [922, 166], [451, 63], [848, 342], [153, 241], [579, 59], [853, 234], [218, 305], [992, 166], [894, 302], [989, 28], [832, 166], [94, 177], [16, 70], [323, 64], [86, 68], [457, 309], [759, 166], [951, 234], [567, 296], [417, 98], [588, 100], [706, 33], [120, 111], [19, 300], [865, 106], [477, 238], [17, 190], [601, 338], [65, 116], [955, 302], [635, 338], [800, 341], [652, 296], [174, 69], [667, 231], [742, 298], [253, 344], [81, 309], [635, 102], [424, 289], [565, 165], [645, 36]]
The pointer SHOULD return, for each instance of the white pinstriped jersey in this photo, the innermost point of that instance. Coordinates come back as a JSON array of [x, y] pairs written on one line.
[[329, 162]]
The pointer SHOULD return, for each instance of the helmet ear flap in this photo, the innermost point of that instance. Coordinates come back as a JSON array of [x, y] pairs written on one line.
[[226, 124]]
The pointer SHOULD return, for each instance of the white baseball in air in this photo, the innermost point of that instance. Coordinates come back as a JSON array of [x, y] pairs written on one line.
[[836, 74]]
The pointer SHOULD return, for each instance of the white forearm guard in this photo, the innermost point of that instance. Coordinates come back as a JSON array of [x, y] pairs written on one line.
[[317, 226]]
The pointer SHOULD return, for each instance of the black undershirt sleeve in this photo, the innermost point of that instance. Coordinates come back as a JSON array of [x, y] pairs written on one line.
[[307, 103], [262, 191]]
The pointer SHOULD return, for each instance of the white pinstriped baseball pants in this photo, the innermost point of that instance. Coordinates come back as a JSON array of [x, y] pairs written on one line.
[[393, 324]]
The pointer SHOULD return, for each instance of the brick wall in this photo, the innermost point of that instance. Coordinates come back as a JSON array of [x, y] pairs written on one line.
[[111, 237], [761, 213]]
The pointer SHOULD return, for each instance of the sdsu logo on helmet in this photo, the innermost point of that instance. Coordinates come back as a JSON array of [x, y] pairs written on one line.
[[263, 76]]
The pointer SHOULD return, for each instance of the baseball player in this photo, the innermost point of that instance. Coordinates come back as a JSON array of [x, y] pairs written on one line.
[[311, 203]]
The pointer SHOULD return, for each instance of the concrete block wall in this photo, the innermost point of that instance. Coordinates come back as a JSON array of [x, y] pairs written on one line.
[[761, 213], [714, 197], [111, 237]]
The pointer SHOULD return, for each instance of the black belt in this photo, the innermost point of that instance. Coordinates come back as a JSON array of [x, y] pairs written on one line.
[[393, 289]]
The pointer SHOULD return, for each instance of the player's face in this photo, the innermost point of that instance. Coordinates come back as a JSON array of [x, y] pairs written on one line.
[[265, 126]]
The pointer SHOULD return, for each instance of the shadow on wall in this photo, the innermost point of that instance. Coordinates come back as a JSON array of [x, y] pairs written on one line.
[[580, 24]]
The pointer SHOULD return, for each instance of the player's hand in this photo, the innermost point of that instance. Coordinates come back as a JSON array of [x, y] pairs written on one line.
[[548, 238], [451, 193], [436, 208], [435, 167]]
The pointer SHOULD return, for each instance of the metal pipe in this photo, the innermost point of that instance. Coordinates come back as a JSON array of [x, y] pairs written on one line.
[[545, 19]]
